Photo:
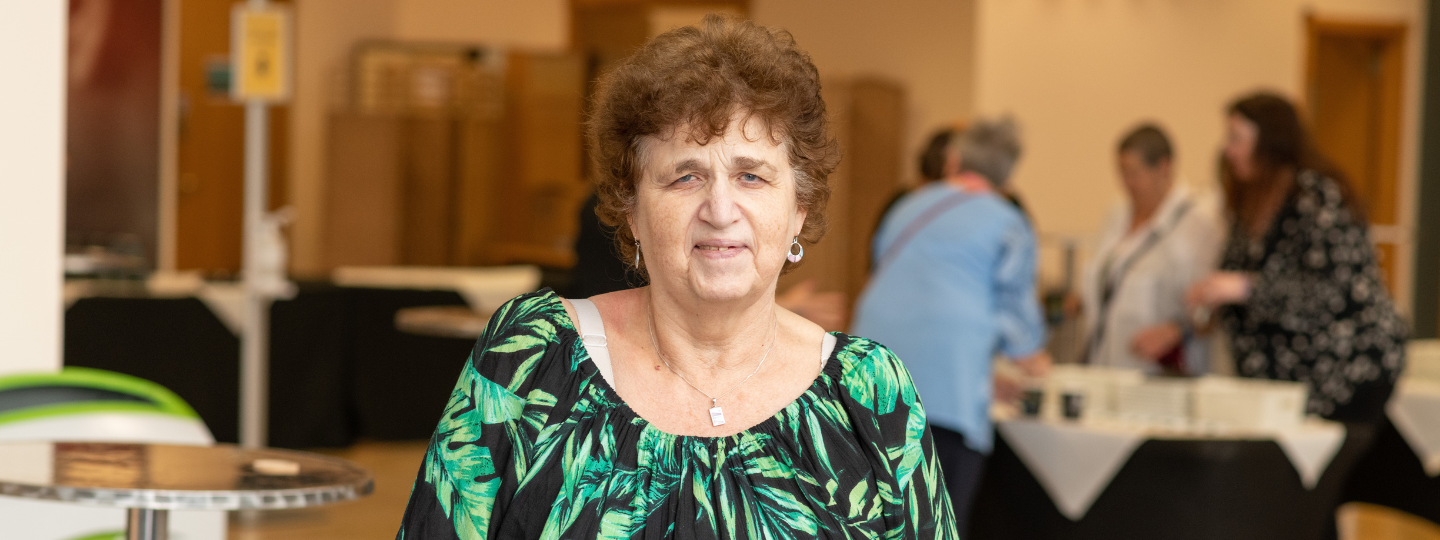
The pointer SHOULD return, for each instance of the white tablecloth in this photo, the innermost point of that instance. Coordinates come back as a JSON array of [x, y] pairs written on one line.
[[1415, 411], [1074, 462], [225, 299], [483, 288]]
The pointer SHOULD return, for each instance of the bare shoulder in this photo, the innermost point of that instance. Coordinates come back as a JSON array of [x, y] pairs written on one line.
[[618, 305], [801, 333]]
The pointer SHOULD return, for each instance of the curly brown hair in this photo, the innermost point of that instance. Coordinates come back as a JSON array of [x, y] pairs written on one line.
[[693, 80]]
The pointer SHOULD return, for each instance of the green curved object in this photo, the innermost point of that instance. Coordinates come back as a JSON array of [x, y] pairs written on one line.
[[157, 398], [117, 535]]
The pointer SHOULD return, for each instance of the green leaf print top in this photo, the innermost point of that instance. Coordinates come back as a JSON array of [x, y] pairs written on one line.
[[534, 444]]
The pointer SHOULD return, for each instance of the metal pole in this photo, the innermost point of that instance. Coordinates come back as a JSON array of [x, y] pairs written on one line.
[[254, 343], [147, 524], [254, 349]]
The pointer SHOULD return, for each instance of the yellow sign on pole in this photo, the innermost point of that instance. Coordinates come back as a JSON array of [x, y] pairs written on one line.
[[260, 53]]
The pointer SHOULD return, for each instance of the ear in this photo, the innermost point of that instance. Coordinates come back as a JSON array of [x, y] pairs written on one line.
[[799, 224], [1166, 167], [952, 163]]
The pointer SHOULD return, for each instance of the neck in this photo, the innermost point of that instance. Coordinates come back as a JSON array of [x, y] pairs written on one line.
[[969, 181], [703, 339], [1270, 199], [1145, 206]]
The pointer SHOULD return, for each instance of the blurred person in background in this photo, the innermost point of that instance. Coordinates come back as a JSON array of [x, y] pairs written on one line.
[[939, 154], [1299, 290], [938, 157], [694, 406], [953, 286], [1157, 243]]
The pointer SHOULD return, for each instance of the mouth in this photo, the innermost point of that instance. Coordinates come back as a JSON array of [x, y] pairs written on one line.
[[719, 248]]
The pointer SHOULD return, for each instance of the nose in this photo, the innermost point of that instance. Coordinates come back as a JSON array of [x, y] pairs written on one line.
[[720, 207]]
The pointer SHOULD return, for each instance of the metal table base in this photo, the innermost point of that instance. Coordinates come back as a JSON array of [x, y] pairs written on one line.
[[147, 524]]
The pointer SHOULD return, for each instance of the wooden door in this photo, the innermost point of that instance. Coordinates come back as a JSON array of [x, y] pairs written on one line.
[[1356, 75], [210, 147]]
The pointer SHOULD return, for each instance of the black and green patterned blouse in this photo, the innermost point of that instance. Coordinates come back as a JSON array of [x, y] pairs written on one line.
[[535, 444]]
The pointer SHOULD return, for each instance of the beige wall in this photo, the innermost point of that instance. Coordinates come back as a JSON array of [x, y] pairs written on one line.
[[1077, 74], [926, 45], [326, 30], [531, 24]]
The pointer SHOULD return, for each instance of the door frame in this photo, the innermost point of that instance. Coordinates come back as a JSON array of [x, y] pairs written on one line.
[[1400, 232]]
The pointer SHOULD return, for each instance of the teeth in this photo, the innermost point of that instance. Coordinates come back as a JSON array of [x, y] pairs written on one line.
[[713, 248]]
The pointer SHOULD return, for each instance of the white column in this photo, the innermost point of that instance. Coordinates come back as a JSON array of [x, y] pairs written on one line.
[[255, 341], [32, 183]]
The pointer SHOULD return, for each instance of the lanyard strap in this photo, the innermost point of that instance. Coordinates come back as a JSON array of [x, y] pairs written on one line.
[[1109, 286]]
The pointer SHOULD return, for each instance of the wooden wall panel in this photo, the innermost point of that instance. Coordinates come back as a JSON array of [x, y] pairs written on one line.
[[544, 185], [876, 150], [867, 116], [363, 194], [428, 224]]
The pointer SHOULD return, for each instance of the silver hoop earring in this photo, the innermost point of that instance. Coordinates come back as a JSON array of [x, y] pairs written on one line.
[[637, 254], [795, 257]]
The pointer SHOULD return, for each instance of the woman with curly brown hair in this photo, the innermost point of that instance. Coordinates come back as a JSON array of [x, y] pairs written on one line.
[[693, 407]]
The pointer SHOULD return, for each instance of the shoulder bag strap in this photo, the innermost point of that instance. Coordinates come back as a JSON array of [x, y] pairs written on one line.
[[916, 225]]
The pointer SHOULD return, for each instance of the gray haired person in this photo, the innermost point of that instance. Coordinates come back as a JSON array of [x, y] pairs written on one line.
[[954, 286], [990, 149]]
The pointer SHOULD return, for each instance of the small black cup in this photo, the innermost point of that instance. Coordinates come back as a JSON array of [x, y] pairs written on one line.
[[1073, 404], [1030, 401]]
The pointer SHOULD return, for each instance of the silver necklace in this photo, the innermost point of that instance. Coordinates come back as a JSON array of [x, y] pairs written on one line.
[[717, 415]]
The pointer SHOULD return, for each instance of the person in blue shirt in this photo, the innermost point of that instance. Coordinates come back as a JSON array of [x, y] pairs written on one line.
[[953, 286]]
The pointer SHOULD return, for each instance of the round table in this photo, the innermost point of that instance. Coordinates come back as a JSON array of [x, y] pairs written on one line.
[[152, 479], [442, 321]]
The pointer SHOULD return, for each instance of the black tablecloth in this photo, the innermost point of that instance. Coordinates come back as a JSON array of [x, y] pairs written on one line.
[[1172, 490], [339, 369], [176, 342], [1390, 474], [402, 381]]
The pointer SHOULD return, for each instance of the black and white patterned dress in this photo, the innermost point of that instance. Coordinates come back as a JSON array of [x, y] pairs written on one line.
[[1319, 312]]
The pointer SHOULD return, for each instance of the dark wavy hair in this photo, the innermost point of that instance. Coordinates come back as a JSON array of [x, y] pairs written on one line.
[[690, 82], [935, 154], [1283, 143]]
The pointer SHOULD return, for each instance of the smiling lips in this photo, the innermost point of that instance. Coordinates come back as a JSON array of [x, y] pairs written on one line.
[[719, 247]]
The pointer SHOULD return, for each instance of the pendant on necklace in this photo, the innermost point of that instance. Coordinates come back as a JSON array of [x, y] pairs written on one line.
[[717, 416]]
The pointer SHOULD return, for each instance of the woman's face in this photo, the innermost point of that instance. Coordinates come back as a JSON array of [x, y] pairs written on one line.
[[1240, 137], [716, 219]]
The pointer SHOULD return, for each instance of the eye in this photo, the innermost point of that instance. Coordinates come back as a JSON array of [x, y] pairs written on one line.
[[684, 179], [750, 178]]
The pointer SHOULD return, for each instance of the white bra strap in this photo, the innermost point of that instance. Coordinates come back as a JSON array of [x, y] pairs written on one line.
[[827, 348], [592, 334]]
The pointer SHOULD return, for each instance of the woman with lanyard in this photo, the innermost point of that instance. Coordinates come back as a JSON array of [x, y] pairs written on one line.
[[1152, 249]]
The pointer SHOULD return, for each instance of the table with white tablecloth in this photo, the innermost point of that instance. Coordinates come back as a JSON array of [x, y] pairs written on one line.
[[1059, 479], [1415, 411], [1402, 469]]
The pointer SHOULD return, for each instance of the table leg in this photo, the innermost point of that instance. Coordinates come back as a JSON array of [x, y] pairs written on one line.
[[147, 524]]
